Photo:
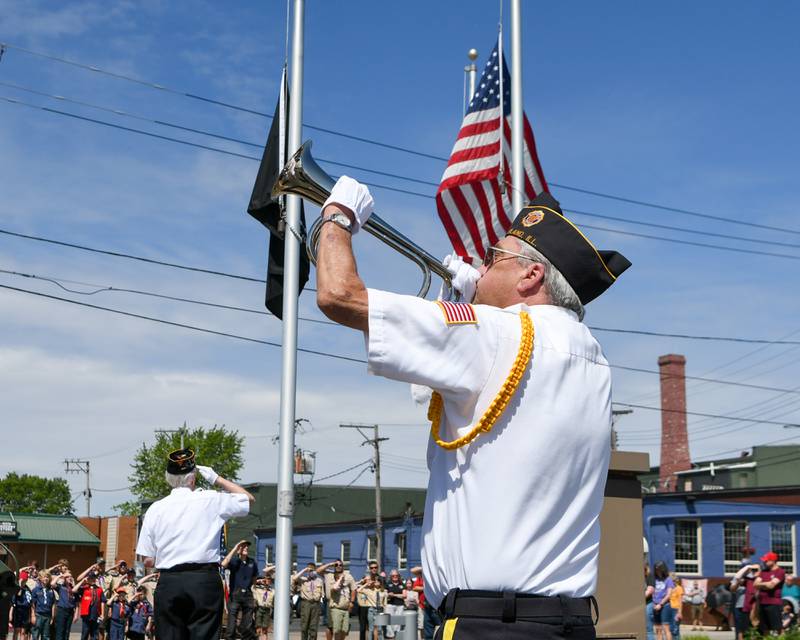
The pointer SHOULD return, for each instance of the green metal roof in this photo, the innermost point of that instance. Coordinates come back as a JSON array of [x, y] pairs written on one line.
[[51, 529], [326, 505]]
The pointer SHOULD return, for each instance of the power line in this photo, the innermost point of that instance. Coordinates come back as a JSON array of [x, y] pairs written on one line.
[[686, 336], [161, 296], [343, 471], [714, 380], [129, 256], [424, 195], [703, 415], [385, 145], [226, 334], [179, 324], [107, 288]]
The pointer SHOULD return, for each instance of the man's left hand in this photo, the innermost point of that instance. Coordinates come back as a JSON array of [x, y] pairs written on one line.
[[354, 197]]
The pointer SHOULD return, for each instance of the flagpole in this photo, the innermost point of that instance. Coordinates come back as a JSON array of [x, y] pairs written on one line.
[[291, 270], [517, 166]]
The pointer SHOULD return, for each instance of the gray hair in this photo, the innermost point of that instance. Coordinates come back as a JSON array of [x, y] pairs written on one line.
[[180, 480], [560, 292]]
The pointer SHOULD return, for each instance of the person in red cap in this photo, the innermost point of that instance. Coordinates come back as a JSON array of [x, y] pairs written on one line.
[[768, 585]]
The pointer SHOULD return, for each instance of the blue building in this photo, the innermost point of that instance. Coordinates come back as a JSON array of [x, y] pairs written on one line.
[[338, 522], [702, 533]]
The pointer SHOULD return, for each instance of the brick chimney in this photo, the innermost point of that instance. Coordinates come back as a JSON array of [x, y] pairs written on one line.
[[674, 436]]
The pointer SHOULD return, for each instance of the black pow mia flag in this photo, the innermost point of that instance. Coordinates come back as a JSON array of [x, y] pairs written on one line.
[[268, 211]]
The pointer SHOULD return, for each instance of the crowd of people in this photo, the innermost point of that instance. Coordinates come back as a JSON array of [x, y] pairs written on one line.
[[760, 597], [110, 602], [325, 597]]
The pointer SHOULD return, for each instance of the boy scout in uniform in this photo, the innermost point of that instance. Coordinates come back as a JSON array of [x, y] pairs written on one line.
[[308, 584], [341, 589], [518, 383]]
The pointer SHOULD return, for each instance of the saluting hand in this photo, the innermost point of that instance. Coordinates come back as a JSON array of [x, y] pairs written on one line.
[[209, 475]]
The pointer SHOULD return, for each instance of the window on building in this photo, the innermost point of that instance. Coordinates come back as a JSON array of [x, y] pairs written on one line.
[[318, 553], [372, 549], [402, 551], [782, 542], [294, 557], [269, 554], [345, 553], [734, 539], [687, 547]]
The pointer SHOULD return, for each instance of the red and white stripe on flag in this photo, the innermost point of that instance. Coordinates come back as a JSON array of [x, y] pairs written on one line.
[[457, 312], [474, 209]]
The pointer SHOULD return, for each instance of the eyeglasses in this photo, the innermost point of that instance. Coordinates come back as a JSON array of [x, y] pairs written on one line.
[[490, 258]]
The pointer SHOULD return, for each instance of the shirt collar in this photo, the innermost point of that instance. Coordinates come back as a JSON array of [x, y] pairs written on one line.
[[180, 490]]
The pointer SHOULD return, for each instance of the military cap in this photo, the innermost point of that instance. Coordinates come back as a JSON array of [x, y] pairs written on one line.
[[589, 271], [180, 462]]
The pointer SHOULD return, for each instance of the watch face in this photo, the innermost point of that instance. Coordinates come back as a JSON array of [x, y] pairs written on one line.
[[342, 220]]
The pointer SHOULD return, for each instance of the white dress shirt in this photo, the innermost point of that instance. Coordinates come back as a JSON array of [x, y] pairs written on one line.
[[184, 526], [517, 508]]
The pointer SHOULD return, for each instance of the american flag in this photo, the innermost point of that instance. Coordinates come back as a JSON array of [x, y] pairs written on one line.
[[474, 209]]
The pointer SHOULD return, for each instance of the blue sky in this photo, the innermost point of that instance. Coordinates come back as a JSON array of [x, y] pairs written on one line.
[[690, 105]]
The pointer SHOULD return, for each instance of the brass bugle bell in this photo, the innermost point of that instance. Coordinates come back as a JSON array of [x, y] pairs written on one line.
[[303, 177]]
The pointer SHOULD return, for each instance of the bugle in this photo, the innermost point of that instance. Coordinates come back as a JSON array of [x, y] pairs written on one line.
[[303, 177]]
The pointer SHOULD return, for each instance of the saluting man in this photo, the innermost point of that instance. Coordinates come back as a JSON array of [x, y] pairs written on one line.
[[519, 383], [180, 537]]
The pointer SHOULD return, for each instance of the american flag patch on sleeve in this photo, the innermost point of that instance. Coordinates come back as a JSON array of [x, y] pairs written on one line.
[[457, 312]]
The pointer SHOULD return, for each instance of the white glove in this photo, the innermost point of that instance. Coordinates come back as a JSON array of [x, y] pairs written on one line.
[[464, 279], [209, 475], [354, 196]]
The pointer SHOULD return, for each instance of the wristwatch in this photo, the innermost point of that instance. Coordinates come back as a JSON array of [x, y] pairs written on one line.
[[340, 220]]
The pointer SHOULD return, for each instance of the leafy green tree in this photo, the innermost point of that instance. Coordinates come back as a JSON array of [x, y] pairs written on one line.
[[216, 447], [34, 494]]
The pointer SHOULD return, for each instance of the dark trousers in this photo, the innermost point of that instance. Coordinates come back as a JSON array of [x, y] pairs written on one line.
[[117, 630], [241, 601], [91, 628], [770, 618], [363, 623], [309, 619], [503, 621], [431, 619], [41, 628], [188, 604], [63, 622]]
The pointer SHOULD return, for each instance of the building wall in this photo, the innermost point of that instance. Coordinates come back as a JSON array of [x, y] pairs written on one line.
[[660, 515], [118, 546], [78, 556], [332, 536]]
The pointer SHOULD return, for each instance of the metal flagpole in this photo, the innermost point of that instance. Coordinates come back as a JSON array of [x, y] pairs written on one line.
[[291, 270], [470, 72], [517, 166], [501, 171]]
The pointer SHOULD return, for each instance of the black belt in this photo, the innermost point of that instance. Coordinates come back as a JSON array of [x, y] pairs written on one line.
[[508, 605], [191, 566]]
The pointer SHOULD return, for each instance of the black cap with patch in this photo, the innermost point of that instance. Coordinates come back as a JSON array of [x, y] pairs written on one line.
[[180, 462], [589, 271]]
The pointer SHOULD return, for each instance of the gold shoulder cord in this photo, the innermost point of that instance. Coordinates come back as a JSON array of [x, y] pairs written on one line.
[[501, 400]]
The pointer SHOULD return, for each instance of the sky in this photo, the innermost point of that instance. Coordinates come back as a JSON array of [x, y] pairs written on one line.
[[685, 105]]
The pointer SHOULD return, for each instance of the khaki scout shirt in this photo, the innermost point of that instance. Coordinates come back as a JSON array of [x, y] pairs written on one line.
[[370, 597], [339, 589], [309, 589], [263, 596]]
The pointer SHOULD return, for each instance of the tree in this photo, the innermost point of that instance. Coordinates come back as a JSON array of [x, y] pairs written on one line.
[[34, 494], [215, 447]]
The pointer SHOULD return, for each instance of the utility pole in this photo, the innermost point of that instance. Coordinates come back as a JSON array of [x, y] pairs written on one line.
[[81, 466], [614, 414], [182, 431], [376, 462]]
